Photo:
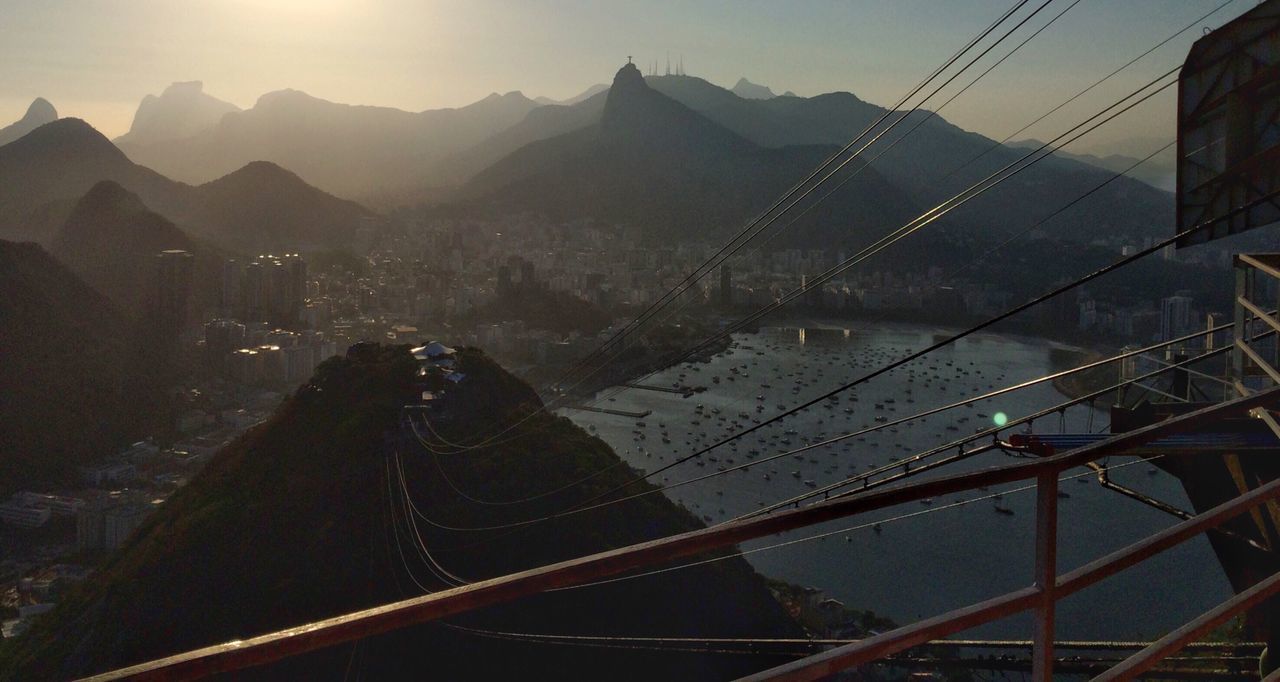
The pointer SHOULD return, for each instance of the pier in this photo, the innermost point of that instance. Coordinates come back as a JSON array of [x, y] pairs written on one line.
[[682, 390], [605, 410]]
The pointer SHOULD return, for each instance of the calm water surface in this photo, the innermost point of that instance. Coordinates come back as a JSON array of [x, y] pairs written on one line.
[[925, 558]]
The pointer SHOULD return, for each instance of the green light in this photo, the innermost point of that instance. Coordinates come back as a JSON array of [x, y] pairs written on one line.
[[1000, 418]]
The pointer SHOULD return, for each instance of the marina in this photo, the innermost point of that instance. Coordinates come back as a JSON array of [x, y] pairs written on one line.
[[934, 555]]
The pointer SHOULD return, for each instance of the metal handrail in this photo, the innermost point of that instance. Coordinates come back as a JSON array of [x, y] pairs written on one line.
[[282, 644], [895, 641]]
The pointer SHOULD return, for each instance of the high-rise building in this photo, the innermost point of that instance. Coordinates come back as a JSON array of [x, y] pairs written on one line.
[[1175, 317], [254, 284], [230, 295], [726, 285]]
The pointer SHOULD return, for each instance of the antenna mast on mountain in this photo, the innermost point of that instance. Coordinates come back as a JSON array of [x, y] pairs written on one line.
[[668, 62], [680, 69]]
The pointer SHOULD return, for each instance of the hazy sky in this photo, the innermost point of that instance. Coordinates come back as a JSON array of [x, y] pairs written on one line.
[[96, 59]]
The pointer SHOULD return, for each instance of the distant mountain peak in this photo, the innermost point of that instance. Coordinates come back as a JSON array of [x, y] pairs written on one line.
[[74, 135], [110, 237], [514, 94], [632, 105], [182, 110], [187, 88], [40, 112], [748, 90], [110, 193], [629, 76], [585, 94], [285, 97], [264, 169]]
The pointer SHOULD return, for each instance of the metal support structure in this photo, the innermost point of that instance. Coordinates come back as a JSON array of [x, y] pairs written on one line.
[[1147, 659], [1238, 331], [1046, 576], [1250, 269]]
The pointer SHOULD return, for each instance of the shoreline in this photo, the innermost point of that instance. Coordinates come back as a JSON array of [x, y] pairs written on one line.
[[1070, 387]]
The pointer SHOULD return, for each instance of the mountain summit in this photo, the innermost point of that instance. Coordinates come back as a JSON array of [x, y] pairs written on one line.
[[635, 113], [39, 113], [110, 240], [748, 90], [182, 110]]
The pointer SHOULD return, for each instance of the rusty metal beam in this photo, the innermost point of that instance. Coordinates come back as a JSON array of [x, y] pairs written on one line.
[[882, 645], [1147, 659], [869, 650], [1046, 575]]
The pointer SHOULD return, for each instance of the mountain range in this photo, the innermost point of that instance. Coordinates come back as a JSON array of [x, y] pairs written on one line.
[[1160, 171], [260, 207], [351, 151], [653, 162], [674, 154], [935, 161]]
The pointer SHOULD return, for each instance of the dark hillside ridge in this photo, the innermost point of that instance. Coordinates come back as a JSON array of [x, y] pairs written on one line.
[[309, 488], [111, 240], [69, 391]]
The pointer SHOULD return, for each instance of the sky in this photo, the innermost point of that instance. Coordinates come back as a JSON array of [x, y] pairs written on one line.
[[96, 59]]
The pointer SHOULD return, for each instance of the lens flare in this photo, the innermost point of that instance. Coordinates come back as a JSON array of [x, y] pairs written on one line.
[[1000, 418]]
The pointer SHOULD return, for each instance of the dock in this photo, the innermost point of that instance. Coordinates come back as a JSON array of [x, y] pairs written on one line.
[[605, 410], [682, 390]]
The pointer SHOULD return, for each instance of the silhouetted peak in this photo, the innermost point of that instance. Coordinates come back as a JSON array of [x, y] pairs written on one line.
[[629, 76], [748, 90], [262, 170], [630, 99], [40, 111], [498, 97], [70, 136], [285, 98], [110, 216], [109, 195], [184, 89]]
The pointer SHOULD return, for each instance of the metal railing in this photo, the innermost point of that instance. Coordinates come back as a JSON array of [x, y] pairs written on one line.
[[1041, 596], [1249, 269]]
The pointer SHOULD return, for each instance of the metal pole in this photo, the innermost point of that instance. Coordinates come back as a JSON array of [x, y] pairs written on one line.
[[1238, 331], [1046, 578]]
